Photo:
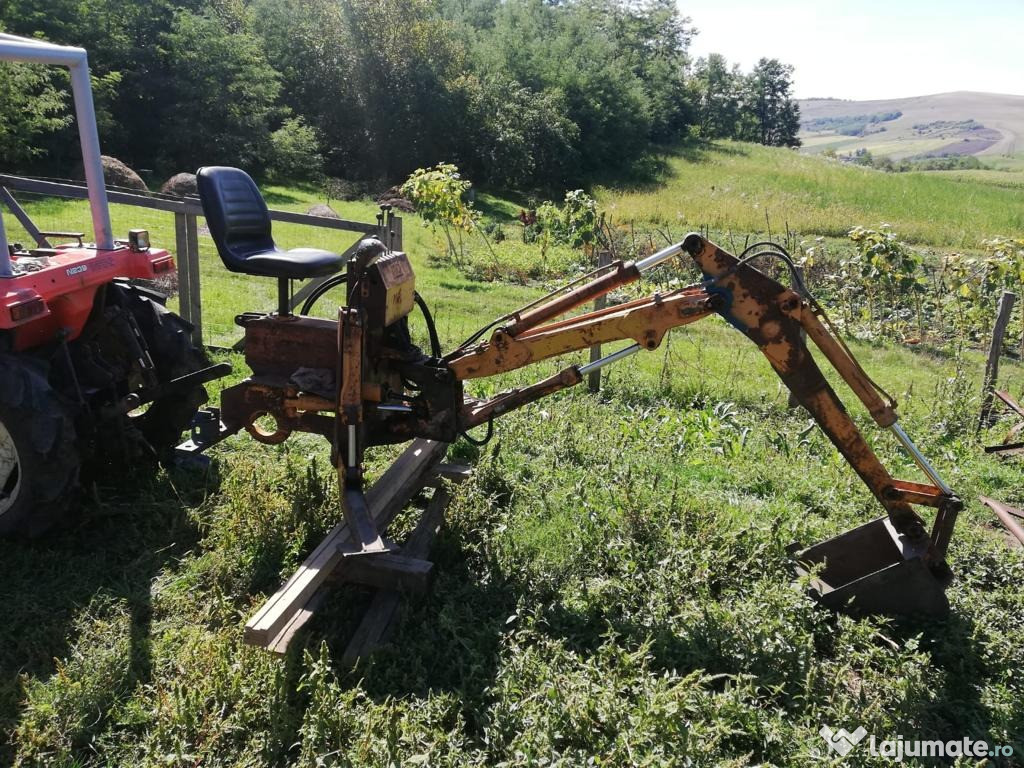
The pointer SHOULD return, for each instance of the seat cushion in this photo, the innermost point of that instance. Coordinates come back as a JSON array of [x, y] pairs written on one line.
[[297, 263], [240, 226]]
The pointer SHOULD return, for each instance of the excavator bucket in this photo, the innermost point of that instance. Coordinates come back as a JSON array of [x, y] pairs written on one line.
[[875, 569]]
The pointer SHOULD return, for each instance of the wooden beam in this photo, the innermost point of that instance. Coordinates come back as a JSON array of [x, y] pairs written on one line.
[[399, 573], [176, 205], [386, 498], [456, 473], [321, 221], [377, 621]]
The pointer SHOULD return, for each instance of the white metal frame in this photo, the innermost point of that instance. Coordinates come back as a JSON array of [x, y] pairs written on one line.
[[14, 48]]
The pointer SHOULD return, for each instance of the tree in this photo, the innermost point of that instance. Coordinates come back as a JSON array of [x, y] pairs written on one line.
[[220, 97], [717, 92], [514, 137], [295, 152], [774, 117], [32, 109]]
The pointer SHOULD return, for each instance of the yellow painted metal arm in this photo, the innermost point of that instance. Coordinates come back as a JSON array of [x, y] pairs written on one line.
[[645, 321]]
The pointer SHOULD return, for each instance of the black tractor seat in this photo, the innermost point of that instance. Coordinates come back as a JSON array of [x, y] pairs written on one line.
[[239, 223]]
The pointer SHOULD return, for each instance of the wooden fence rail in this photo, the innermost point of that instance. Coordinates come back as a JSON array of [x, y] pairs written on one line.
[[186, 210]]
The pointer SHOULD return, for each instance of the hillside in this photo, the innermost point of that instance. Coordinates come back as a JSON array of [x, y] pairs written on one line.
[[739, 187], [964, 122]]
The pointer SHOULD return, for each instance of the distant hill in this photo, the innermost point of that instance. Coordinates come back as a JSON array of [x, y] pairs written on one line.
[[989, 125]]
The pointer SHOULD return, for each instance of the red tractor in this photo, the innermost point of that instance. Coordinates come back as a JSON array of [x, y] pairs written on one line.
[[95, 372]]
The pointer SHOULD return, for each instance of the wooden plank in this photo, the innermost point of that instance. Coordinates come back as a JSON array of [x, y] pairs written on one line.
[[456, 473], [379, 617], [322, 221], [181, 205], [386, 498], [192, 298], [995, 349], [184, 273], [24, 219], [398, 573], [280, 643]]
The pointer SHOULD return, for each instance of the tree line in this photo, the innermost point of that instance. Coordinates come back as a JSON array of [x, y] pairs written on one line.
[[519, 93]]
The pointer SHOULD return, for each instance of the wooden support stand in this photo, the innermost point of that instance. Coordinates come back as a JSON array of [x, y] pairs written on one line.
[[290, 608], [378, 620]]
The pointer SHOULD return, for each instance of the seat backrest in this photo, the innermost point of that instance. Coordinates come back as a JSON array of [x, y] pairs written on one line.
[[236, 214]]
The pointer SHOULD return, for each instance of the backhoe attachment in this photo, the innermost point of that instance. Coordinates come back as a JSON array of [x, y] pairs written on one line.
[[890, 565], [360, 381]]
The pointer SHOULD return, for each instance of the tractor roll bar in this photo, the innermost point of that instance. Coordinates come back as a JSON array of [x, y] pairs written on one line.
[[14, 48]]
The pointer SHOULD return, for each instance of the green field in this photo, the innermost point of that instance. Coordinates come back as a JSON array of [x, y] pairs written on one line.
[[746, 188], [613, 585]]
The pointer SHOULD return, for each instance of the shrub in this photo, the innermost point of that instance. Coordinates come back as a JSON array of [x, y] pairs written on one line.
[[295, 152], [439, 194]]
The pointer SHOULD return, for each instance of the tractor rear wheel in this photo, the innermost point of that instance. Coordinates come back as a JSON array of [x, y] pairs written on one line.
[[38, 459], [169, 339]]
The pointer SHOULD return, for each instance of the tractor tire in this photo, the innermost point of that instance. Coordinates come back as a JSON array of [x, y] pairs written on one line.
[[169, 338], [39, 462]]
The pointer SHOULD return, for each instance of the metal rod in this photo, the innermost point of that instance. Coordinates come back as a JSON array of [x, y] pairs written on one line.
[[919, 458], [1004, 512], [394, 408], [23, 218], [657, 258], [5, 254], [614, 357], [13, 48], [352, 445]]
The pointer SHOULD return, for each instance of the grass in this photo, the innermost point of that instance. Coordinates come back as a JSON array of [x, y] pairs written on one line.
[[730, 186], [612, 588]]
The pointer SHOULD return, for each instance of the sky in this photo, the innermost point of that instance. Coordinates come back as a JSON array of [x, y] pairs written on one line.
[[871, 49]]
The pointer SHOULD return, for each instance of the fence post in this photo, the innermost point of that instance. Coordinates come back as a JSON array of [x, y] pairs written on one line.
[[195, 304], [181, 257], [994, 350], [604, 258]]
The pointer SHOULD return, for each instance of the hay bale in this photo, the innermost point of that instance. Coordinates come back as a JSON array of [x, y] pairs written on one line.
[[323, 210], [180, 184], [393, 197], [117, 174]]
